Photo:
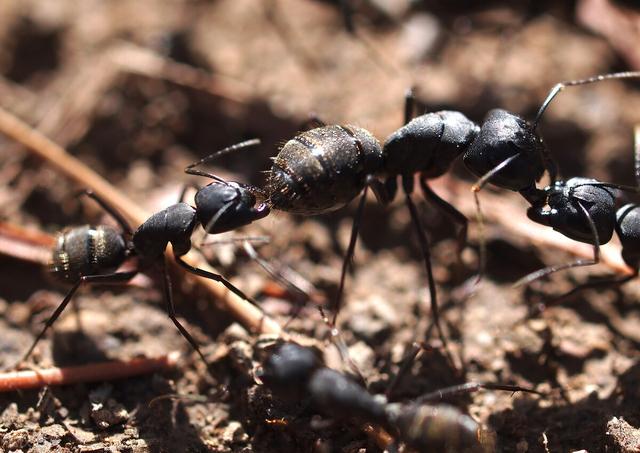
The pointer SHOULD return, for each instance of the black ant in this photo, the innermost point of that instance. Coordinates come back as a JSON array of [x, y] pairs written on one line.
[[293, 372], [582, 209], [325, 168], [91, 254], [627, 227]]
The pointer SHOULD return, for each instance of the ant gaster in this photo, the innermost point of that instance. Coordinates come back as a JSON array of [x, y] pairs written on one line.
[[89, 254], [293, 372]]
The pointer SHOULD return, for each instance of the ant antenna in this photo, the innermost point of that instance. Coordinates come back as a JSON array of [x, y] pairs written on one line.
[[584, 262], [562, 85], [190, 169]]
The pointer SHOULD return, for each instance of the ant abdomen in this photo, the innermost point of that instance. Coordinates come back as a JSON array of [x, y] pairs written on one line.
[[174, 224], [628, 229], [323, 169], [87, 250], [502, 136], [569, 203], [435, 428], [428, 144]]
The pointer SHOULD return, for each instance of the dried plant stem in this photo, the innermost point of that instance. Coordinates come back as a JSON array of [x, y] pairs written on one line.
[[93, 372], [247, 314], [25, 244]]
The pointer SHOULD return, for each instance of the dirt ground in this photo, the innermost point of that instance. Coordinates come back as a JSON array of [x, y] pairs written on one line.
[[83, 73]]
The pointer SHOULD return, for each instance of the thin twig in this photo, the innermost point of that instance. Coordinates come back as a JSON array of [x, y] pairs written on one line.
[[93, 372], [247, 314], [25, 244]]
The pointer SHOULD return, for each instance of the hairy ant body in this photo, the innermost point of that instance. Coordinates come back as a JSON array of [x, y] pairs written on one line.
[[91, 254], [294, 372]]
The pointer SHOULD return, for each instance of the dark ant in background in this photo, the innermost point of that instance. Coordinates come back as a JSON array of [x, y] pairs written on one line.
[[582, 209], [89, 254], [293, 372]]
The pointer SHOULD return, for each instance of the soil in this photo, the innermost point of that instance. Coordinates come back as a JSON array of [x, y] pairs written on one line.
[[274, 64]]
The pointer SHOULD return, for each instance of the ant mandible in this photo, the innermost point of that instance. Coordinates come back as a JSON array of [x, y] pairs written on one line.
[[92, 254]]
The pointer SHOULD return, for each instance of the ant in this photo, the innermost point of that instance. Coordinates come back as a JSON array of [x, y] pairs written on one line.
[[627, 227], [92, 254], [294, 372], [325, 168], [582, 209]]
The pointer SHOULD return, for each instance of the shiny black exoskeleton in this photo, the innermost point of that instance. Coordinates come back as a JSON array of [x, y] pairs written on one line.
[[566, 206], [325, 168], [293, 372], [628, 230], [93, 254], [582, 209]]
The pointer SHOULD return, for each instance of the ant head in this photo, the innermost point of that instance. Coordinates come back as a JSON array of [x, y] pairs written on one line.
[[289, 367], [576, 207], [628, 229], [504, 135], [223, 206]]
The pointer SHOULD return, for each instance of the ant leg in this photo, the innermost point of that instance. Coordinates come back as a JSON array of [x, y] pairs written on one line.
[[578, 263], [477, 187], [471, 387], [350, 251], [407, 185], [209, 226], [171, 311], [610, 281], [450, 211], [243, 239], [302, 296], [106, 278], [119, 218], [417, 349], [215, 277], [190, 169], [426, 255]]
